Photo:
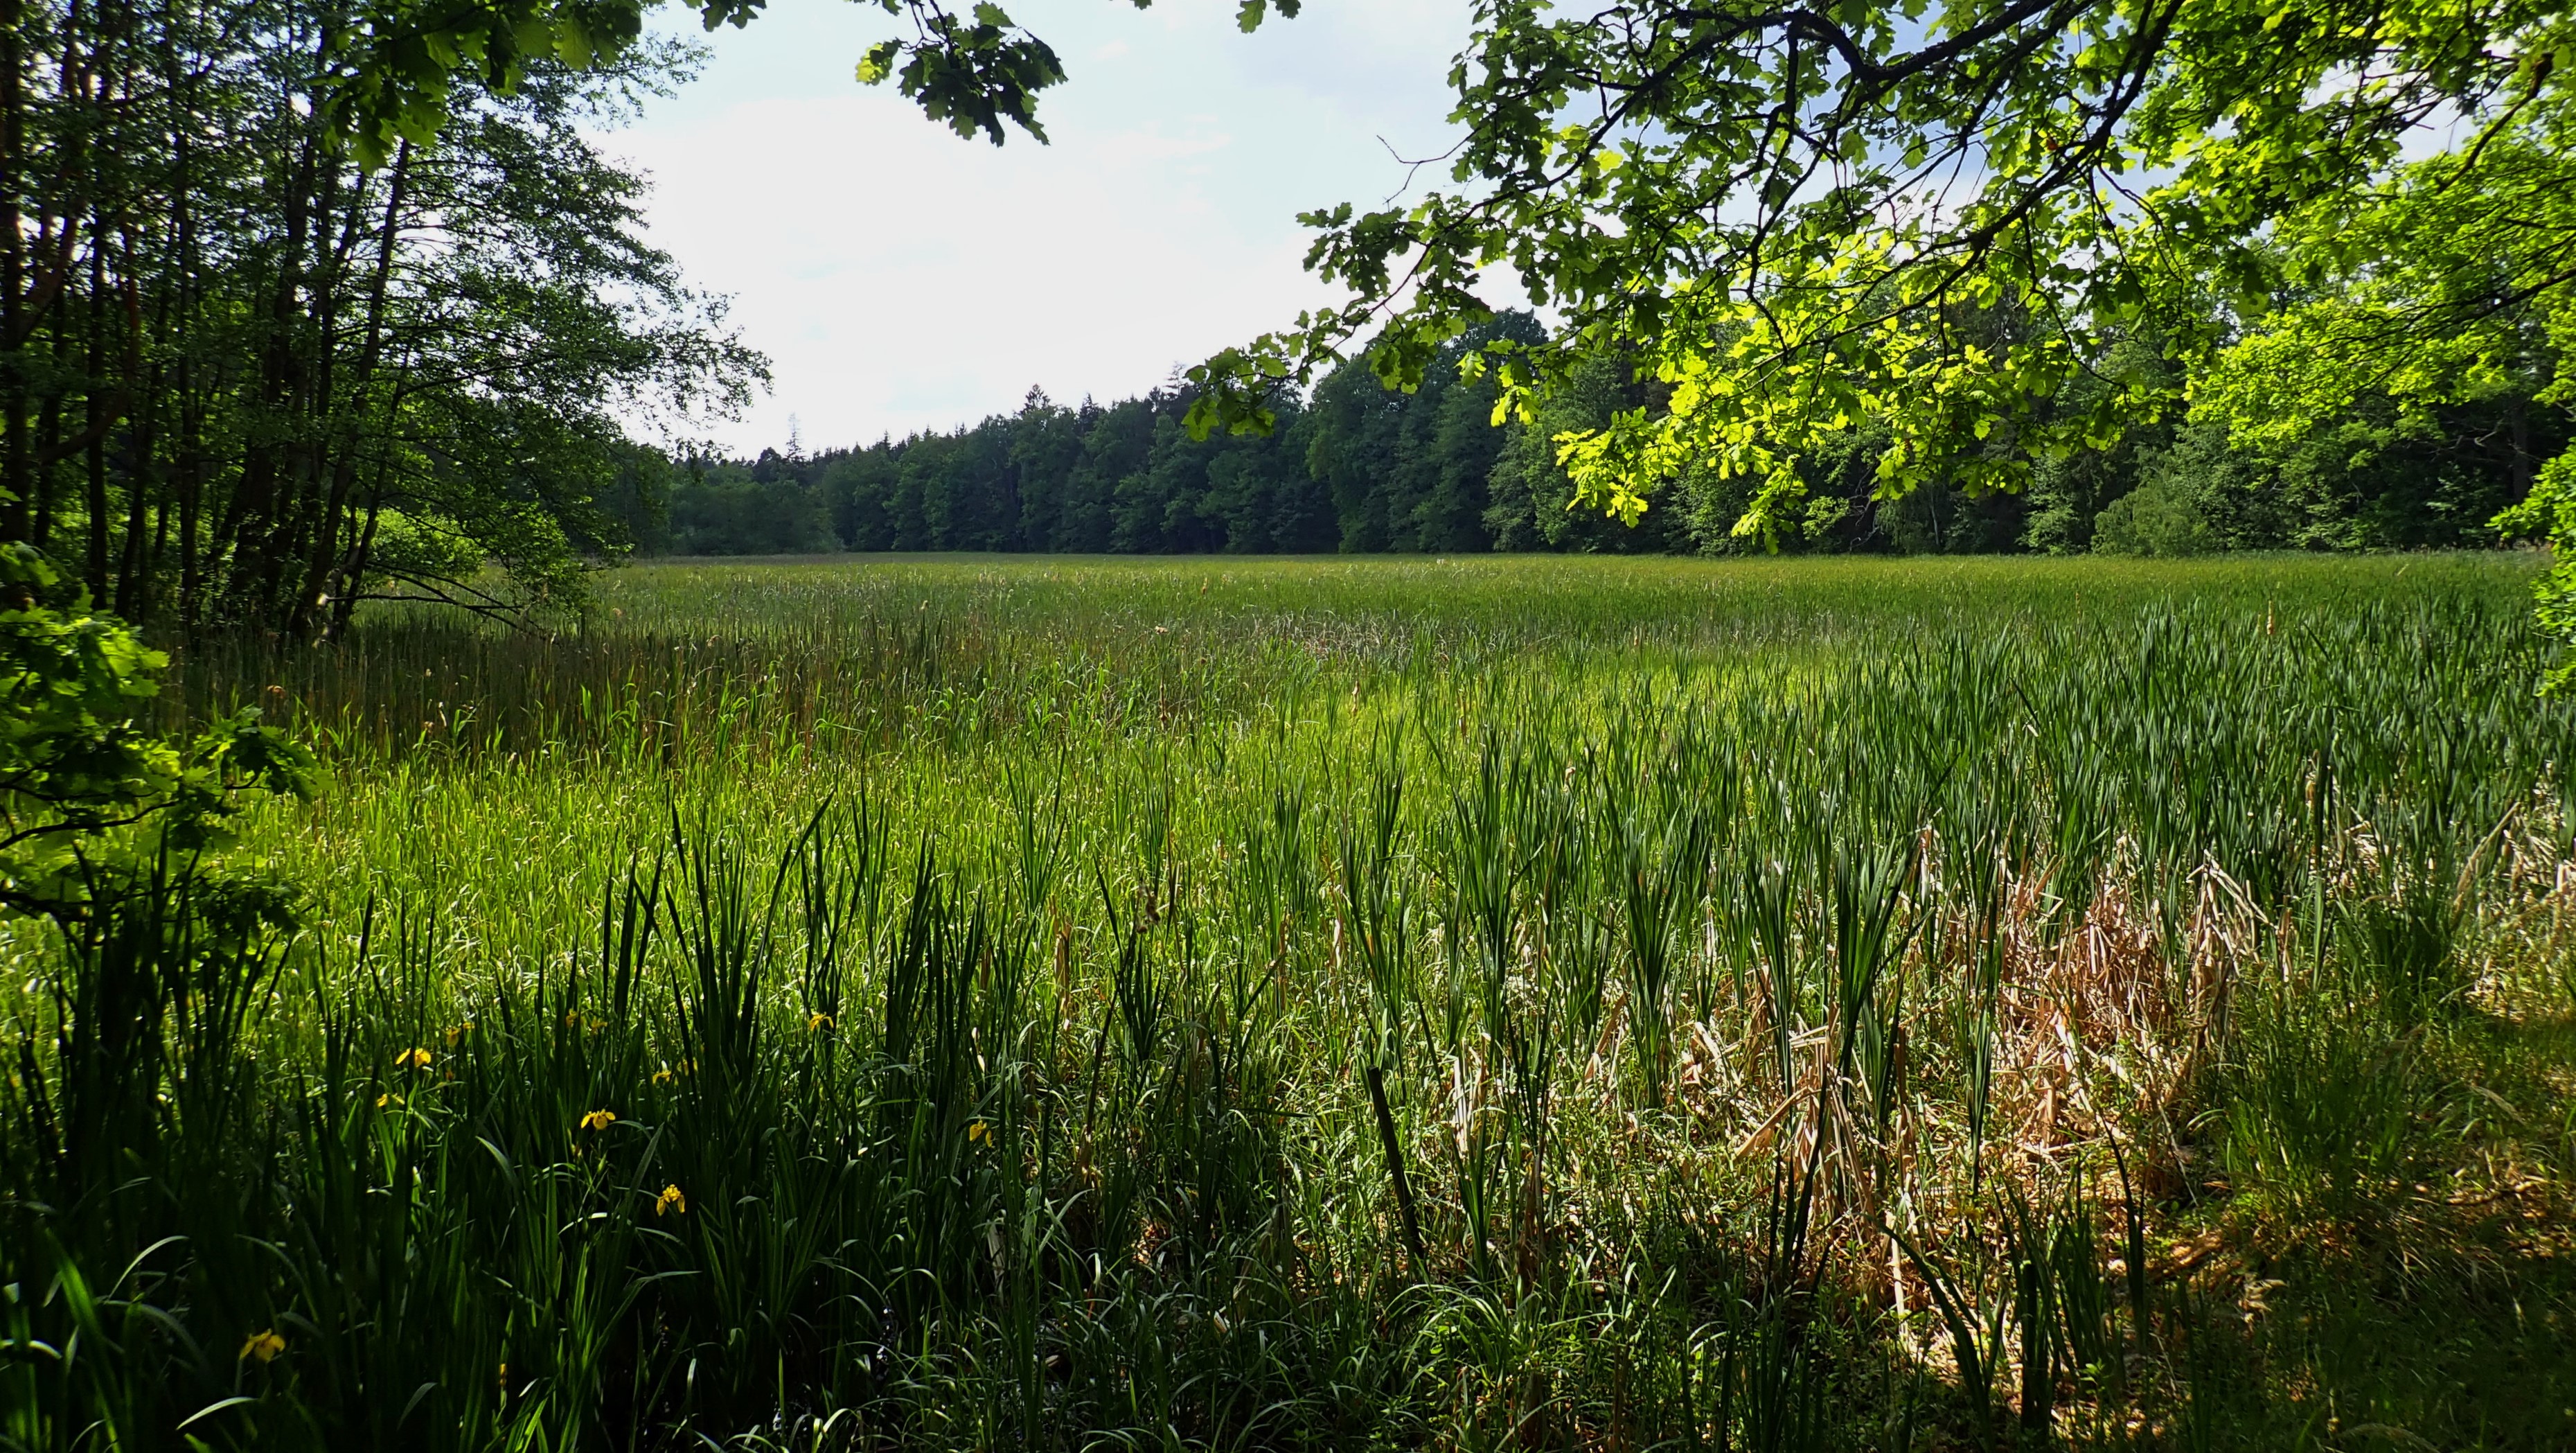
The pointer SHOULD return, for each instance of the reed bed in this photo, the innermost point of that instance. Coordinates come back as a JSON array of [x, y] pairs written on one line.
[[1620, 1004]]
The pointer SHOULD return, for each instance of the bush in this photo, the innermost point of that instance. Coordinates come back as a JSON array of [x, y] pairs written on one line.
[[2159, 517], [91, 795]]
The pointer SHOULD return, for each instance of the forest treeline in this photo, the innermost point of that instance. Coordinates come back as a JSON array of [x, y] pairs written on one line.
[[1358, 468]]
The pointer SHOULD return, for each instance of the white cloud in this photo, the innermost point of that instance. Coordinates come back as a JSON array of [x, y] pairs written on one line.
[[901, 278]]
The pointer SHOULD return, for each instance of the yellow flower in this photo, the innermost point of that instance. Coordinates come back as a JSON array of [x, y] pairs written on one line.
[[263, 1347], [979, 1131], [663, 1076], [598, 1119], [412, 1059], [818, 1021], [388, 1098], [670, 1200]]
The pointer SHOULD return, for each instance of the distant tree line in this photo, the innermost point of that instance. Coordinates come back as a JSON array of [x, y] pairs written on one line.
[[1358, 468]]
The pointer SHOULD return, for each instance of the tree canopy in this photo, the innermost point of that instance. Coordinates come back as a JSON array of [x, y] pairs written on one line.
[[1945, 227], [1961, 243], [246, 382]]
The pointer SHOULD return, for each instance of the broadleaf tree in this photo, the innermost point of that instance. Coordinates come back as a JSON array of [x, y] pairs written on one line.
[[246, 382], [1937, 225]]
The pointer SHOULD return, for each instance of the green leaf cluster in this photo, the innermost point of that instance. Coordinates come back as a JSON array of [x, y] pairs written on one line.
[[91, 792], [1938, 227], [397, 73]]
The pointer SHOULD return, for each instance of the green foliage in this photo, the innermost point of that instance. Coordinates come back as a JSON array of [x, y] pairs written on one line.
[[1533, 500], [1959, 249], [2550, 512], [1049, 1075], [249, 383], [2159, 517], [1410, 471], [396, 79], [1360, 469], [1364, 469], [91, 793], [763, 510]]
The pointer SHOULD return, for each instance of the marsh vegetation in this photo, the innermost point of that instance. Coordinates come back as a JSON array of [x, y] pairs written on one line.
[[1587, 1003]]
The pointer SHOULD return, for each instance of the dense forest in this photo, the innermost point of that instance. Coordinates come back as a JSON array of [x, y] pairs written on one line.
[[1358, 468]]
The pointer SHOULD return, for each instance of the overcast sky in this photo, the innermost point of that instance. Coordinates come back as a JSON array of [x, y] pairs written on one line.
[[900, 278]]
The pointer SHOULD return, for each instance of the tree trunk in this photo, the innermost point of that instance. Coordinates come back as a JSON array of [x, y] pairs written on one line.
[[323, 577], [99, 420]]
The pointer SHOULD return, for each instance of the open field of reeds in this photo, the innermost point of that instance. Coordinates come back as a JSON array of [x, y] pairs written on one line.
[[1620, 1004]]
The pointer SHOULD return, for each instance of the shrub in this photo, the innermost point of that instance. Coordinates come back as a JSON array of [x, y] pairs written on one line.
[[2159, 517]]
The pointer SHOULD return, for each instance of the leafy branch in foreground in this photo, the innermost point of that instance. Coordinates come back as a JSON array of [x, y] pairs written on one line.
[[1932, 224], [2453, 283], [80, 763], [397, 74]]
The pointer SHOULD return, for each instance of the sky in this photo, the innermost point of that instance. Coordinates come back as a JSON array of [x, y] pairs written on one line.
[[900, 278]]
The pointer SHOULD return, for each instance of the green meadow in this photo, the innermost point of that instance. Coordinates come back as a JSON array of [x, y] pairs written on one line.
[[1481, 1003]]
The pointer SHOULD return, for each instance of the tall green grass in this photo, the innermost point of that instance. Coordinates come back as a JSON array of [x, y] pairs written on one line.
[[1302, 1004]]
